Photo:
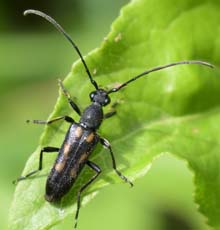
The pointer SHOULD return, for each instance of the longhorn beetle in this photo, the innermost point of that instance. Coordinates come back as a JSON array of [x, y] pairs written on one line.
[[81, 137]]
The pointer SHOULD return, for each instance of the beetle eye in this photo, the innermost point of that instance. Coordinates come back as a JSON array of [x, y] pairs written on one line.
[[107, 100], [92, 95]]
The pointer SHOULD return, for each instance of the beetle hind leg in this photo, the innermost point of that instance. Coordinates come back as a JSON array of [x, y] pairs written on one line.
[[45, 149], [96, 168]]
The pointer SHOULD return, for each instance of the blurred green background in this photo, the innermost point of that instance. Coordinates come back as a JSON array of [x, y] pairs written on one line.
[[33, 56]]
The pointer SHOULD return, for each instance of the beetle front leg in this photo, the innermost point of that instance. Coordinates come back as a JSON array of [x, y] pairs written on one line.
[[45, 149], [96, 168], [67, 95], [109, 114], [107, 145], [112, 112]]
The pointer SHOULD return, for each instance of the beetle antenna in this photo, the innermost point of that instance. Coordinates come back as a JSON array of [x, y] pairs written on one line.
[[113, 90], [62, 31]]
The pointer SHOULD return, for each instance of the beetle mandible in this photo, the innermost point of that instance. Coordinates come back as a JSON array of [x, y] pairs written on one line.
[[81, 137]]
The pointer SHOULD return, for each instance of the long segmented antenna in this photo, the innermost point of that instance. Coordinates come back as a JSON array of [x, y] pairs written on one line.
[[62, 31], [113, 90]]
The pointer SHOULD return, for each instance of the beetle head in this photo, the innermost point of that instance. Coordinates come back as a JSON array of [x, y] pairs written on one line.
[[100, 96]]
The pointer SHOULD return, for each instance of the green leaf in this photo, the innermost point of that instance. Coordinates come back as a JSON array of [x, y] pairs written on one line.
[[173, 111]]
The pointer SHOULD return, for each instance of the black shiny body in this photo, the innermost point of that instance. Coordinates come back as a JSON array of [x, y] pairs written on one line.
[[78, 144]]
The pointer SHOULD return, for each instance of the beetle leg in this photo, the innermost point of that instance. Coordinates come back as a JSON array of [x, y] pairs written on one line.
[[66, 118], [71, 102], [109, 114], [113, 110], [96, 168], [45, 149], [107, 145]]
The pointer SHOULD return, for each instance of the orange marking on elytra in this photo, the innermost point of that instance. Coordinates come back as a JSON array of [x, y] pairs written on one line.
[[90, 137], [59, 166], [83, 157], [66, 149], [78, 132], [73, 173]]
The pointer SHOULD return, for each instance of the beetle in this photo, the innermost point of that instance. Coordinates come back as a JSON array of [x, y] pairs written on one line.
[[81, 137]]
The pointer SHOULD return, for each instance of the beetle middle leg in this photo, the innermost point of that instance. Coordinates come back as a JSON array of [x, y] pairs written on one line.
[[45, 149], [66, 118], [96, 168], [107, 145]]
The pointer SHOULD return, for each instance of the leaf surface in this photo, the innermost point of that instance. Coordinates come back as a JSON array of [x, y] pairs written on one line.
[[174, 111]]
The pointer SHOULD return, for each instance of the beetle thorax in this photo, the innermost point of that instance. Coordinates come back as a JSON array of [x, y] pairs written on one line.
[[92, 116]]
